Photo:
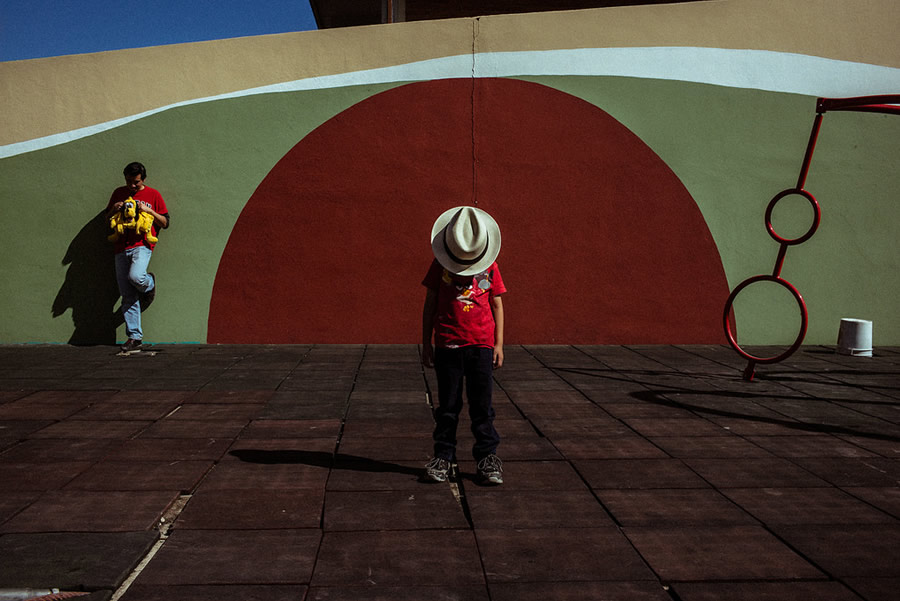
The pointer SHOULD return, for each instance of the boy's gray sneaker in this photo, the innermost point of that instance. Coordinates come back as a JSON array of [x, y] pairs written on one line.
[[490, 470], [437, 469]]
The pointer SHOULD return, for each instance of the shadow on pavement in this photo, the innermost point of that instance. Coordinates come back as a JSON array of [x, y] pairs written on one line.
[[323, 459]]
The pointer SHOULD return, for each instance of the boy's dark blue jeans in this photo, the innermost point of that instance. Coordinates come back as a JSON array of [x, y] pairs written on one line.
[[471, 367]]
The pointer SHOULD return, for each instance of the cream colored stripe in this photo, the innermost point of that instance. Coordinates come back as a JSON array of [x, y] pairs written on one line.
[[771, 71], [47, 96]]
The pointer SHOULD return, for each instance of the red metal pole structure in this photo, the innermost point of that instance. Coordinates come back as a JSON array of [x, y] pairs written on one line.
[[872, 104]]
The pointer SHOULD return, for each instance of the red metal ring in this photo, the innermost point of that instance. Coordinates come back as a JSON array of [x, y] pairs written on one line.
[[804, 319], [812, 228]]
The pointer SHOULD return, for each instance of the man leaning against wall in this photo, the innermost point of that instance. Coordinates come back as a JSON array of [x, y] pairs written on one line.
[[134, 248]]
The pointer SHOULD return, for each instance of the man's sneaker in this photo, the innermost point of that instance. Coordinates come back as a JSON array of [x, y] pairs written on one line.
[[490, 470], [131, 346], [148, 297], [437, 469]]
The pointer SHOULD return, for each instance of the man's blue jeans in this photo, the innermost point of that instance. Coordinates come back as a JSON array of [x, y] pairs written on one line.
[[133, 279], [472, 368]]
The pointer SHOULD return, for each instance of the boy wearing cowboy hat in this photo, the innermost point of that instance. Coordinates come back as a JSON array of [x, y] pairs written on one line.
[[464, 311]]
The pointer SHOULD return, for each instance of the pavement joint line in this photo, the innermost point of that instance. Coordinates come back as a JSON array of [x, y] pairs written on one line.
[[166, 522], [337, 448], [458, 488], [459, 493]]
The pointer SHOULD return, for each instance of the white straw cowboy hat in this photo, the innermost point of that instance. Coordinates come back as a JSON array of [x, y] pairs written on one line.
[[465, 240]]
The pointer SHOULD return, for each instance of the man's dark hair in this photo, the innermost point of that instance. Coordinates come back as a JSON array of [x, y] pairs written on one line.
[[132, 169]]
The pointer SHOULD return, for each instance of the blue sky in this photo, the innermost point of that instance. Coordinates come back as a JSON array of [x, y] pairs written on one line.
[[41, 28]]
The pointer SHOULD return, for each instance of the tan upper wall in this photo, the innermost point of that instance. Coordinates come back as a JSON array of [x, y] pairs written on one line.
[[51, 95], [852, 30], [46, 96]]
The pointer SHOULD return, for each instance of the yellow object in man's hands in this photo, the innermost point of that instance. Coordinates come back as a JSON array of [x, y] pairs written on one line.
[[130, 218]]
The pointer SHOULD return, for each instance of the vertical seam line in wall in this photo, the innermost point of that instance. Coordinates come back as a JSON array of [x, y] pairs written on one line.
[[472, 107]]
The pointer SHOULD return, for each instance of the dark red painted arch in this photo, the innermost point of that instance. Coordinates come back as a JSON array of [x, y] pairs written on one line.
[[602, 244]]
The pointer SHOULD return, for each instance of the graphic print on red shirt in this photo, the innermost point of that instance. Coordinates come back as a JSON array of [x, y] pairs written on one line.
[[464, 316]]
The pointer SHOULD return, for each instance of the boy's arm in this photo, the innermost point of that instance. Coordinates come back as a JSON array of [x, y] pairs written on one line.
[[497, 308], [428, 311]]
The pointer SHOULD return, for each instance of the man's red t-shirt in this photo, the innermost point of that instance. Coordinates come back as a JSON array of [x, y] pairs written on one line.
[[152, 197], [464, 316]]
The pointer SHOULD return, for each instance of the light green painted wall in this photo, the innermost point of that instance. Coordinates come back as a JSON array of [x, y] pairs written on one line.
[[205, 159], [733, 149]]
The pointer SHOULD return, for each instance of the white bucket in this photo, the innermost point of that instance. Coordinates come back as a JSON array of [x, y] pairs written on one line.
[[855, 337]]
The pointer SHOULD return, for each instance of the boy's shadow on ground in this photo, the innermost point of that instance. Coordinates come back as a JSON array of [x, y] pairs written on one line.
[[323, 459], [339, 462], [90, 288]]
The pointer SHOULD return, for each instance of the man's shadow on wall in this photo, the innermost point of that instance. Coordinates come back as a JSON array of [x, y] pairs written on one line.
[[90, 288]]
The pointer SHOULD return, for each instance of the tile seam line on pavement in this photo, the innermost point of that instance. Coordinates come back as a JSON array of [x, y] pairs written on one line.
[[620, 527], [851, 402], [668, 589], [786, 416], [745, 438], [798, 552], [848, 490], [829, 378], [337, 446], [701, 414], [675, 369], [457, 487], [459, 491], [686, 348], [594, 403], [299, 363], [166, 523]]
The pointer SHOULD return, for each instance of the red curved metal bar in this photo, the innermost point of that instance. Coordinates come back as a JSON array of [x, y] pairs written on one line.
[[812, 228], [885, 103], [804, 322]]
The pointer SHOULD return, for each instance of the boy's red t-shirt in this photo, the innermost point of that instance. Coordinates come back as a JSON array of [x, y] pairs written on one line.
[[152, 197], [464, 316]]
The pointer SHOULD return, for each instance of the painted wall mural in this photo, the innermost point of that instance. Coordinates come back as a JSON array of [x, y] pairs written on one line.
[[599, 234], [628, 166]]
